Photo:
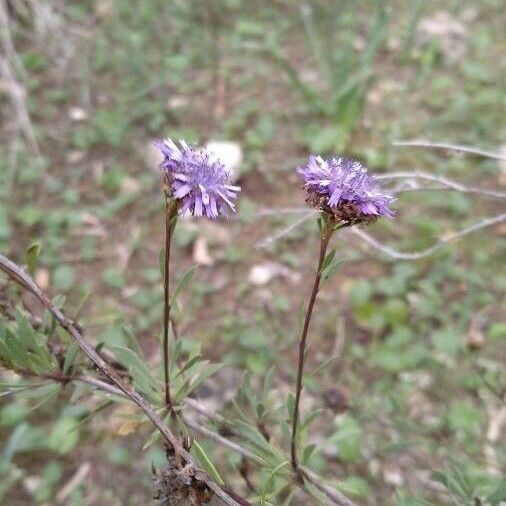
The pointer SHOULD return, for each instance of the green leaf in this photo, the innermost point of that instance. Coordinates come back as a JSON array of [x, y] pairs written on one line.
[[348, 440], [94, 412], [256, 441], [308, 451], [329, 257], [447, 341], [322, 366], [70, 358], [206, 463], [64, 436], [455, 483], [34, 345], [205, 371], [131, 340], [311, 417], [497, 331], [31, 256], [43, 395], [175, 353], [186, 367], [272, 476], [267, 386], [463, 416], [25, 332], [63, 277], [17, 355], [183, 282], [140, 372], [155, 435], [331, 269], [355, 486], [499, 494], [23, 438]]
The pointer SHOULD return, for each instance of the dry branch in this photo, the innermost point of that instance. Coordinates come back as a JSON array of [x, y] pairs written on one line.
[[7, 43], [447, 184], [420, 143], [17, 94], [416, 255]]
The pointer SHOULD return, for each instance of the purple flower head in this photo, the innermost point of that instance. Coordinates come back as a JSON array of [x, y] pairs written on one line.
[[344, 189], [198, 181]]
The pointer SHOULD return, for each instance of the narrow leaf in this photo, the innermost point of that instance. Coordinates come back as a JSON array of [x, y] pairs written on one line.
[[32, 255], [206, 463], [184, 281], [131, 340]]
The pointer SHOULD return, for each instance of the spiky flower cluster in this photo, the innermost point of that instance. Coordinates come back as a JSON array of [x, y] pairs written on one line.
[[344, 189], [199, 182]]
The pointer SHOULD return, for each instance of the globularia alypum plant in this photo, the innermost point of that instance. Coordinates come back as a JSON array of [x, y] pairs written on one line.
[[195, 184]]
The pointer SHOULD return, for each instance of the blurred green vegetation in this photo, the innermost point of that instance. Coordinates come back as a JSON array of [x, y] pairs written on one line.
[[421, 344]]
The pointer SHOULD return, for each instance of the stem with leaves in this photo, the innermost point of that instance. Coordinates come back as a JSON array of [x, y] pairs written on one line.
[[170, 224], [326, 230], [21, 277]]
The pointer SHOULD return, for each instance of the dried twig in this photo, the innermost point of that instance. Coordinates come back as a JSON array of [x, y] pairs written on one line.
[[416, 255], [7, 44], [73, 483], [285, 231], [17, 94], [453, 147], [448, 184], [17, 274]]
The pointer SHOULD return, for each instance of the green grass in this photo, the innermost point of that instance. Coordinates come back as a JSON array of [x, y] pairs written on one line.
[[420, 392]]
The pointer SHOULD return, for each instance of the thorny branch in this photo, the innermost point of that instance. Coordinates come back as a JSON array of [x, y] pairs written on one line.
[[17, 274]]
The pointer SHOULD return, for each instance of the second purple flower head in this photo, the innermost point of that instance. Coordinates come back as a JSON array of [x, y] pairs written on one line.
[[198, 181], [344, 189]]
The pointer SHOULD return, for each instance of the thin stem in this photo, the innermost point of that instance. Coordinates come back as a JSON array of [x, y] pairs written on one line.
[[324, 242], [170, 216]]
